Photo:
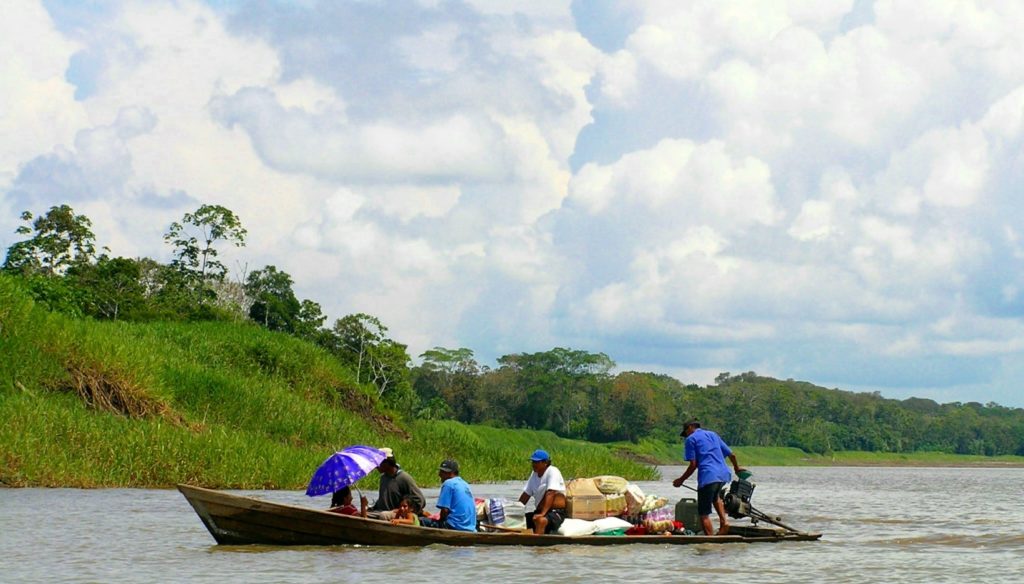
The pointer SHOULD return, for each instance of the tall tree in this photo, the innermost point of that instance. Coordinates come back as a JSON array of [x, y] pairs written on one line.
[[194, 237], [60, 239], [451, 375], [363, 344]]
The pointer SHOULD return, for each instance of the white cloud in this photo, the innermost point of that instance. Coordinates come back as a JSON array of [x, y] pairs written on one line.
[[732, 186], [619, 78], [435, 49], [309, 95], [37, 107], [682, 183]]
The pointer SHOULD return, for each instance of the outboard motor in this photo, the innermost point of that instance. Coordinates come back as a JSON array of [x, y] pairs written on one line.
[[737, 500], [738, 505]]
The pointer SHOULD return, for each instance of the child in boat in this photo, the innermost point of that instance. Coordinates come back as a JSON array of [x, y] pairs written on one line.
[[341, 502], [404, 515]]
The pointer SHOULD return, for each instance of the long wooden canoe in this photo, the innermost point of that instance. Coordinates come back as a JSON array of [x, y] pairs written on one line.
[[233, 519]]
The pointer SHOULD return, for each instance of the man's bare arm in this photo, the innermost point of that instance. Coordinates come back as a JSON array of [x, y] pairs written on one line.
[[689, 471], [735, 464]]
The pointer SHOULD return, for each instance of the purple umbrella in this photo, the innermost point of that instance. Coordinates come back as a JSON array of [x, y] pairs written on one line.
[[343, 468]]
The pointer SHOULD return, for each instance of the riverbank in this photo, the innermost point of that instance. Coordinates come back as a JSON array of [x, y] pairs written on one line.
[[230, 405], [662, 453], [220, 404], [53, 440]]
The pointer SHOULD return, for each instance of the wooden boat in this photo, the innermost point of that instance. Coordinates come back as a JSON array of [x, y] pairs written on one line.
[[233, 519]]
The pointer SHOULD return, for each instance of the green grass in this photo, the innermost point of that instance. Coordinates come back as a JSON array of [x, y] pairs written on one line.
[[227, 405], [920, 459]]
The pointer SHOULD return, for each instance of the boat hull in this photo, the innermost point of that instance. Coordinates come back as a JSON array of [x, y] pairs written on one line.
[[238, 520]]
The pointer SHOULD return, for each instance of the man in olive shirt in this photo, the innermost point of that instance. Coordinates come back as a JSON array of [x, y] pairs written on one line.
[[395, 484]]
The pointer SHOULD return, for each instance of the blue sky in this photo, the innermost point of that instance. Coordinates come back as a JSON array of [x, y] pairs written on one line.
[[824, 191]]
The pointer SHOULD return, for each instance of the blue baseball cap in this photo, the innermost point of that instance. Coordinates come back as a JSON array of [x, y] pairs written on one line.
[[540, 455]]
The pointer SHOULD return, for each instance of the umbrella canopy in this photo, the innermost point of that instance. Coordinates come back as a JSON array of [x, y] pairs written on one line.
[[343, 468]]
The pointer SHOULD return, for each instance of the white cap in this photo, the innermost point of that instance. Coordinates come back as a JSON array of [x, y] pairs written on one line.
[[387, 452]]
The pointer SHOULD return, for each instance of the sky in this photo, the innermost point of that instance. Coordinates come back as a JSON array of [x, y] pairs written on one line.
[[826, 191]]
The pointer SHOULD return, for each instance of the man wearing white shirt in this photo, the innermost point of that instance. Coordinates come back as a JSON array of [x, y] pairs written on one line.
[[547, 487]]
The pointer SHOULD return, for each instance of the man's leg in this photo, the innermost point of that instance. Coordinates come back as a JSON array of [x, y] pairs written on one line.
[[555, 518], [723, 522], [707, 497], [540, 523], [428, 522]]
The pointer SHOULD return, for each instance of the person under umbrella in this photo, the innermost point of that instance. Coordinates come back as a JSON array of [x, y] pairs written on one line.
[[339, 472], [395, 485], [341, 502]]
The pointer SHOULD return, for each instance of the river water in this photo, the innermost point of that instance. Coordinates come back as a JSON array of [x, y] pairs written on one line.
[[880, 525]]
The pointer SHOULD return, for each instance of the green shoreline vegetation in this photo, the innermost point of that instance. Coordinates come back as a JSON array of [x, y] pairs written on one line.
[[226, 405], [657, 452], [121, 372]]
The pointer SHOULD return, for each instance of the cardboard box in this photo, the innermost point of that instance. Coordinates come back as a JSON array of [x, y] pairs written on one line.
[[588, 507]]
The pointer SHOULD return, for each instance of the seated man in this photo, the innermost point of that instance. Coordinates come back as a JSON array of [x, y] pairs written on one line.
[[458, 508], [547, 487], [395, 485]]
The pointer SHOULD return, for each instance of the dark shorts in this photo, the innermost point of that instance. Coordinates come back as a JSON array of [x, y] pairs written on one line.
[[706, 496], [555, 519], [428, 522]]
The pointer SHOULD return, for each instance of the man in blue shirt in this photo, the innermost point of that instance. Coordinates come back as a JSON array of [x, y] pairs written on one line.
[[458, 509], [707, 452]]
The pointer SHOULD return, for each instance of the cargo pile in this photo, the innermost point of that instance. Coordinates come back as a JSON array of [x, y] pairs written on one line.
[[602, 505], [598, 498]]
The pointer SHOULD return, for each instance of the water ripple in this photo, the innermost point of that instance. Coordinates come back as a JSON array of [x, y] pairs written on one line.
[[889, 524]]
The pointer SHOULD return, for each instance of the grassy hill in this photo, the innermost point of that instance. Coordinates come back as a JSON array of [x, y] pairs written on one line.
[[104, 404], [87, 403]]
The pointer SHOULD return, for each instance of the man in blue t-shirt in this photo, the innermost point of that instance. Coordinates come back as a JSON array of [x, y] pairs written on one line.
[[707, 452], [458, 509]]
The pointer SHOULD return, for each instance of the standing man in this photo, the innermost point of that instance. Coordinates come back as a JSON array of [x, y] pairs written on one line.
[[707, 452], [395, 485], [458, 509], [547, 487]]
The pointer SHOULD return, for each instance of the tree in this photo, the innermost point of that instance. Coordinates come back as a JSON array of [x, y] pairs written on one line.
[[60, 239], [111, 286], [194, 237], [363, 344], [560, 386], [309, 323], [274, 303], [174, 295], [452, 376], [633, 405]]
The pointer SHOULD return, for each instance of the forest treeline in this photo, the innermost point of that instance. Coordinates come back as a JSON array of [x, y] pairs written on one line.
[[574, 393]]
